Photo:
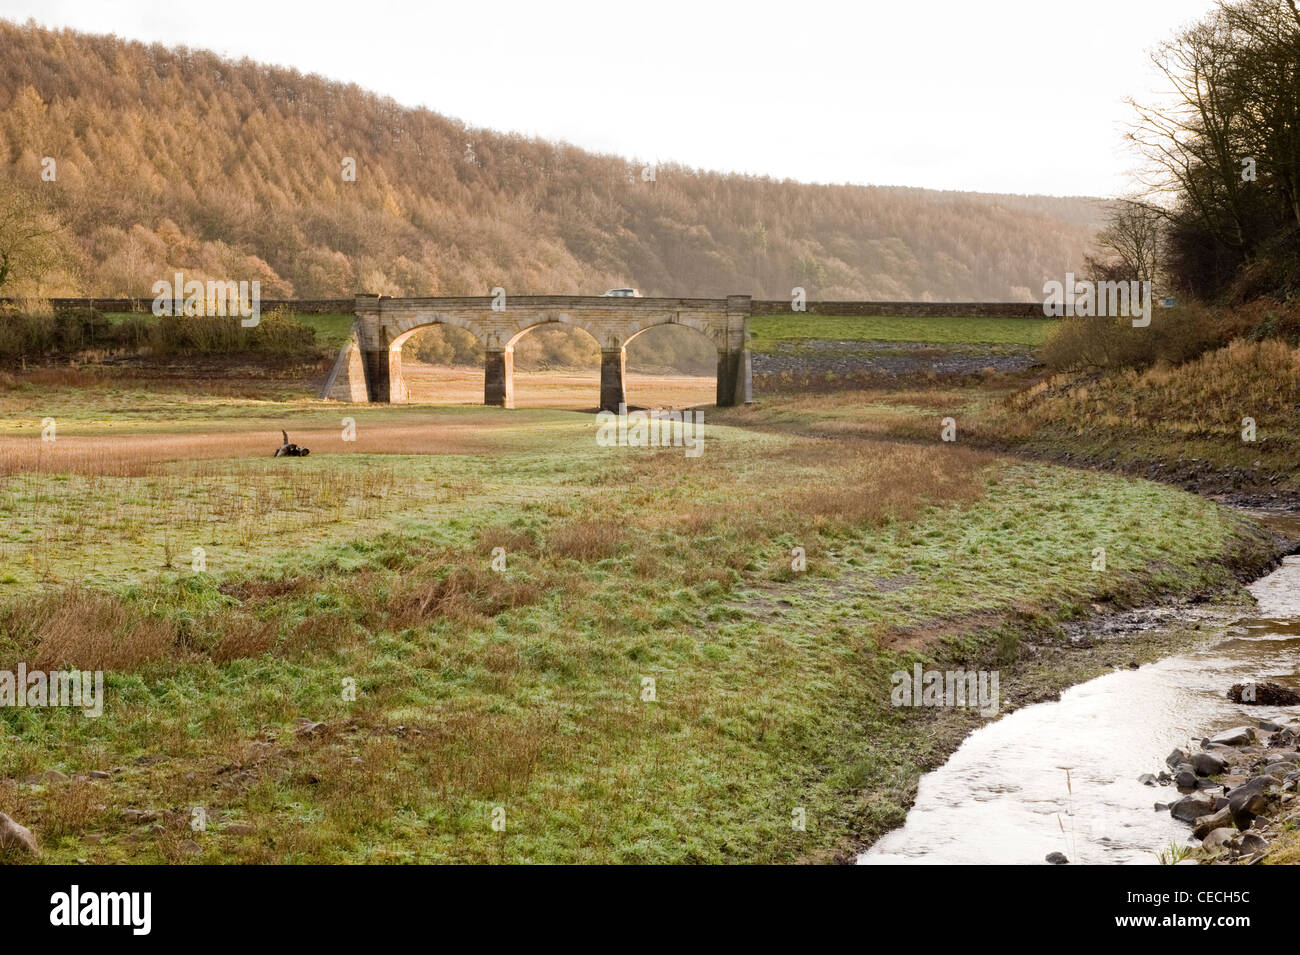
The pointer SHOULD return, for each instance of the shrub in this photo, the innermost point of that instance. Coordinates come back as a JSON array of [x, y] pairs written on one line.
[[32, 334], [275, 333], [1174, 336]]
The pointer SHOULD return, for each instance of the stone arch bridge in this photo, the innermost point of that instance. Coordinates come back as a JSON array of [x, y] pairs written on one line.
[[369, 368]]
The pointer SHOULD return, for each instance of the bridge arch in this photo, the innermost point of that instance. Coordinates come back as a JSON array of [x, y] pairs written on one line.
[[398, 390], [703, 328], [663, 355], [383, 324]]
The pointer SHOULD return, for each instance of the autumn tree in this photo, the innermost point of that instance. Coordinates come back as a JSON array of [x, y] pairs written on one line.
[[30, 241]]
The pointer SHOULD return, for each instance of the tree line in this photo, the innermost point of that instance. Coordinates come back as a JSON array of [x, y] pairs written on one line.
[[1218, 212]]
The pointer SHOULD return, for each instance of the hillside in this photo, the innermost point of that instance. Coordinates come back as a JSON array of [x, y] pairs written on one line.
[[174, 159]]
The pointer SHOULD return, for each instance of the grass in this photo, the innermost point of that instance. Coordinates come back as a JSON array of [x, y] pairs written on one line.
[[1196, 412], [1183, 424], [369, 565], [332, 330], [769, 332]]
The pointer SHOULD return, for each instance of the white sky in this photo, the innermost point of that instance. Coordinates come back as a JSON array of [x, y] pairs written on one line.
[[999, 96]]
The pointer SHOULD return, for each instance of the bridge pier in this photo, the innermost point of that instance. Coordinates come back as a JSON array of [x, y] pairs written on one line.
[[375, 363], [613, 364], [734, 378], [728, 374], [499, 378]]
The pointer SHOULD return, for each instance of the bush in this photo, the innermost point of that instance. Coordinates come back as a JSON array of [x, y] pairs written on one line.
[[276, 333], [1174, 336], [27, 335], [31, 334]]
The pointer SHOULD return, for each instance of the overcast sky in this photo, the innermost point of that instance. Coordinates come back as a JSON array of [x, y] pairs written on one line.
[[998, 96]]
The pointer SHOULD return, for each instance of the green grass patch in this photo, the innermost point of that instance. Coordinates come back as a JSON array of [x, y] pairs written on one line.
[[768, 330]]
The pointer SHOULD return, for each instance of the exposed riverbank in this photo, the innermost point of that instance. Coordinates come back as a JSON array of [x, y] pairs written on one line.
[[370, 560]]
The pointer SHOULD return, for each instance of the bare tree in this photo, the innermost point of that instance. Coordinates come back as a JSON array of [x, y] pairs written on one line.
[[1131, 243], [1193, 142], [1224, 145], [1266, 34]]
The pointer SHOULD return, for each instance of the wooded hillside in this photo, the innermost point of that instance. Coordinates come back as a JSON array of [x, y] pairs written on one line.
[[180, 160]]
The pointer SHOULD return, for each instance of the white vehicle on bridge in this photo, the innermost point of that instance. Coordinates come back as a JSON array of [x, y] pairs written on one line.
[[623, 293]]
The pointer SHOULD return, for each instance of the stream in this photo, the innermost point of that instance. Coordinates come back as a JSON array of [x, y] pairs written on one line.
[[1063, 776]]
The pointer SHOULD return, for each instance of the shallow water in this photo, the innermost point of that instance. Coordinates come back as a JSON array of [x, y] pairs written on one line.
[[1004, 796]]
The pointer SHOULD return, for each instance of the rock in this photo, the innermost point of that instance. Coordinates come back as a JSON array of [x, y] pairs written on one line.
[[190, 847], [1147, 779], [1175, 758], [14, 836], [1280, 770], [1185, 780], [100, 774], [1191, 808], [53, 776], [1208, 764], [240, 829], [1237, 736], [1252, 843], [307, 727], [1220, 839], [1246, 806], [94, 838], [1266, 725], [1255, 784], [1057, 858], [1204, 825], [1263, 694]]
